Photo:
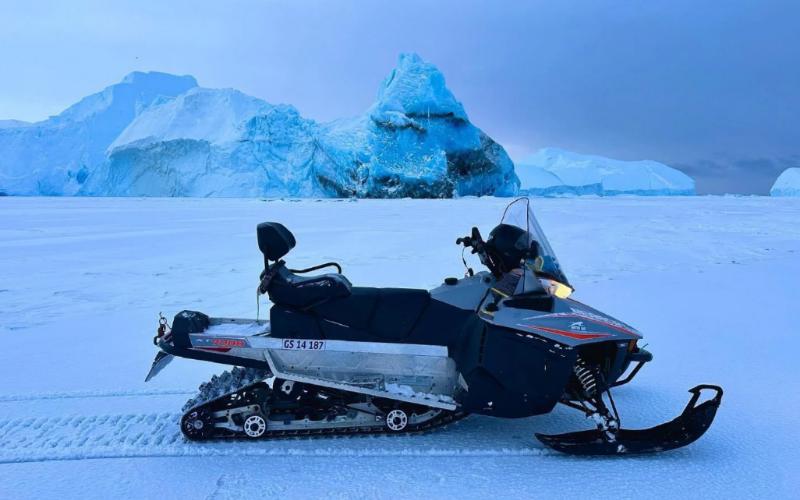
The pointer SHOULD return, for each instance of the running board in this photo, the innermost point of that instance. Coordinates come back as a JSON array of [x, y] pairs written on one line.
[[677, 433], [445, 402]]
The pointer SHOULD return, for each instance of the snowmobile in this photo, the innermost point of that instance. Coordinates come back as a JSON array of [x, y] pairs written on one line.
[[506, 342]]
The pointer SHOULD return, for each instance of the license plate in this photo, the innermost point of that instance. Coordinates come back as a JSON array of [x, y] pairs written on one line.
[[304, 345]]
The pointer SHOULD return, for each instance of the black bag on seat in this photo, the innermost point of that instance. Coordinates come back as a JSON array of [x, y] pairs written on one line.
[[302, 293]]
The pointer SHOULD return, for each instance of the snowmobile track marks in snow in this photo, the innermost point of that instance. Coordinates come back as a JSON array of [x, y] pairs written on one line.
[[36, 396], [158, 435]]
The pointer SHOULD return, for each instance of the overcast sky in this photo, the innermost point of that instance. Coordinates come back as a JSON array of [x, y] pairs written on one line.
[[711, 86]]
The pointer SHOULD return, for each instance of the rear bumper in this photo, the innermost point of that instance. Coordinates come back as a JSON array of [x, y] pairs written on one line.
[[169, 351], [213, 357]]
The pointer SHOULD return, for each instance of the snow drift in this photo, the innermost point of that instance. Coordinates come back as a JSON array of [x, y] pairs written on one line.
[[787, 184], [56, 156], [415, 141], [554, 172]]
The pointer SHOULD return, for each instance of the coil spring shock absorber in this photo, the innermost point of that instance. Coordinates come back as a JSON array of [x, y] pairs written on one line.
[[585, 377], [606, 422]]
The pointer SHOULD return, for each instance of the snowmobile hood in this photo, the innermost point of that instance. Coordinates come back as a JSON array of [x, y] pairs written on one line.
[[564, 321]]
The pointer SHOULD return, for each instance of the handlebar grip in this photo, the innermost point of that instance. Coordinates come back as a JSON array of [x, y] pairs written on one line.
[[467, 241]]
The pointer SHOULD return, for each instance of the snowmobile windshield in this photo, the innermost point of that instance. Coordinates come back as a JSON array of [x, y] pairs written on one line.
[[543, 259]]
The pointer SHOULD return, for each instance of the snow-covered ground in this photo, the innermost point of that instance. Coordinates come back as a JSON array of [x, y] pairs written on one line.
[[712, 282]]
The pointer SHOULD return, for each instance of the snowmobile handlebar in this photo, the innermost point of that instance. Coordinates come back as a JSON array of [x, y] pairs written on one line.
[[478, 246], [474, 241], [468, 242]]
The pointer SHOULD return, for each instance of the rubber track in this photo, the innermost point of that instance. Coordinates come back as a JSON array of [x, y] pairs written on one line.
[[239, 378]]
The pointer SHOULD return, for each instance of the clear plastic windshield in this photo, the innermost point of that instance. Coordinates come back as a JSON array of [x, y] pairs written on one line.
[[520, 214]]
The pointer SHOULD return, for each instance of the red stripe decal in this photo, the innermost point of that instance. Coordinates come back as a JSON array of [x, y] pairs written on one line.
[[572, 335], [215, 349], [595, 320]]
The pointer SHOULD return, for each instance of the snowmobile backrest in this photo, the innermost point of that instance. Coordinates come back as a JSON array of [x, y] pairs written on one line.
[[274, 241]]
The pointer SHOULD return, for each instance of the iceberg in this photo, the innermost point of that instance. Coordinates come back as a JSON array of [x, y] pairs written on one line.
[[211, 142], [415, 141], [13, 124], [555, 172], [57, 156], [787, 184]]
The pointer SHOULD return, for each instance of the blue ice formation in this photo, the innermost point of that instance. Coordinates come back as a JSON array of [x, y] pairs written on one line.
[[555, 172], [787, 184], [210, 142], [176, 139], [416, 140], [57, 156]]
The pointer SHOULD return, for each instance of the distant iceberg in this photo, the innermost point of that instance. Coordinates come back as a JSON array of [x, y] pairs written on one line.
[[555, 172], [787, 184], [176, 139], [56, 156]]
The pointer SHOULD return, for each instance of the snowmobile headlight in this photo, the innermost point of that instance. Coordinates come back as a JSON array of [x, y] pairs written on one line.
[[560, 290]]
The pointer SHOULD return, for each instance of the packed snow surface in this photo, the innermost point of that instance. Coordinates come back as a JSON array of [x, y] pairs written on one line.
[[710, 282], [787, 184], [555, 172], [159, 135], [237, 330], [407, 391]]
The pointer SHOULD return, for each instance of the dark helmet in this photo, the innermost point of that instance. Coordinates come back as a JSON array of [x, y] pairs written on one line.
[[507, 245]]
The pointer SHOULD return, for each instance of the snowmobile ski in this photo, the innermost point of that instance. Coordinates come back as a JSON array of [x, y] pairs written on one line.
[[687, 428]]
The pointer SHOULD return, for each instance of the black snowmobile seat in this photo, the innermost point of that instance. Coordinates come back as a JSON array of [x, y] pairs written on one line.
[[328, 307], [390, 313], [394, 315]]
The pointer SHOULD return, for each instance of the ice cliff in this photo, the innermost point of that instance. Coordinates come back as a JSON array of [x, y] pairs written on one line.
[[787, 184], [554, 172], [172, 138], [56, 156], [210, 142]]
